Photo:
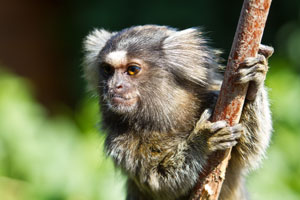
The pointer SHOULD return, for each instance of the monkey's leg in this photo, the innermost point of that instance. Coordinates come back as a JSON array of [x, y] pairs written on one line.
[[256, 115], [256, 120]]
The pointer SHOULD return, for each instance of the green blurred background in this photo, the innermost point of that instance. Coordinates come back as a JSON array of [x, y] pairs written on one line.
[[50, 146]]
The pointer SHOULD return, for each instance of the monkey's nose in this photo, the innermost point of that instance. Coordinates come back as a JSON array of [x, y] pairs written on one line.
[[119, 88]]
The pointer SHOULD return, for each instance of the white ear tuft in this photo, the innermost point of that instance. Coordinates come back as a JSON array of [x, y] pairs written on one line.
[[92, 45], [189, 56]]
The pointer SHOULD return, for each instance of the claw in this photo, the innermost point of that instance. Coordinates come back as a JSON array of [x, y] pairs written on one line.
[[222, 146], [251, 61], [203, 120], [225, 138], [236, 128], [265, 50], [218, 125], [205, 115]]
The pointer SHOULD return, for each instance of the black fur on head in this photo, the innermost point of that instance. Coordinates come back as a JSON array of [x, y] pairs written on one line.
[[181, 69]]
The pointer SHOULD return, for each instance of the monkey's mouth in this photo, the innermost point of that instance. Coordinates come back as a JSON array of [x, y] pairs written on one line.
[[122, 100]]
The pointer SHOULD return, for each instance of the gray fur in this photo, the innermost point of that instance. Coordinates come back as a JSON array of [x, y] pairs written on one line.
[[162, 142], [93, 44]]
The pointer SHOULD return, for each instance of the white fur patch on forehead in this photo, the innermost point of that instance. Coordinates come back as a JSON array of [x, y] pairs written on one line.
[[116, 58]]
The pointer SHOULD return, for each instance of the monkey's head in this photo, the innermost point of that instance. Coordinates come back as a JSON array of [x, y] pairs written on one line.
[[148, 73]]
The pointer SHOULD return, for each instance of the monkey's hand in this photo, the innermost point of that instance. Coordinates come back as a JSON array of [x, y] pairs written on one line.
[[214, 136], [253, 71]]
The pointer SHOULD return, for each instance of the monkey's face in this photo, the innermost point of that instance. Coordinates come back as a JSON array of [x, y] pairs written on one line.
[[119, 80], [146, 72]]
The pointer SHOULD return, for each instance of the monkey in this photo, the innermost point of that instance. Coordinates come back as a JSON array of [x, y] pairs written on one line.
[[157, 87]]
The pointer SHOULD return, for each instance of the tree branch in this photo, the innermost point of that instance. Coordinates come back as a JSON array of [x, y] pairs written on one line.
[[231, 99]]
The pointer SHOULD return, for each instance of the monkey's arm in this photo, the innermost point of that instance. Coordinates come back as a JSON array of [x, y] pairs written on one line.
[[256, 115]]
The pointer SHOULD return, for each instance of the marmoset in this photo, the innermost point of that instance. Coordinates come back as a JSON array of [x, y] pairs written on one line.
[[157, 88]]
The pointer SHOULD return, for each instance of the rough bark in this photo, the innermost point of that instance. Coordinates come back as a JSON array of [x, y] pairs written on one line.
[[231, 99]]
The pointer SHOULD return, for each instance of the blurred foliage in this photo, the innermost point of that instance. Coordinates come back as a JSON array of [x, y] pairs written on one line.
[[50, 158]]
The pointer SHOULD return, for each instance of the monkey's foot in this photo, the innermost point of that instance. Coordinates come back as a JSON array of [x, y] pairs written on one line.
[[215, 135], [253, 71]]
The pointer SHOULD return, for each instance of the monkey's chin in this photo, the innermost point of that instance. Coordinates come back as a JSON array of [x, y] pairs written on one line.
[[123, 105]]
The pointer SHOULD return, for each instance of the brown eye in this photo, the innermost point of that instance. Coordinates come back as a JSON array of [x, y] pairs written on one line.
[[133, 70], [107, 69]]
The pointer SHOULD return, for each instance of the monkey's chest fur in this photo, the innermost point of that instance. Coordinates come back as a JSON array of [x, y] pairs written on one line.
[[160, 164]]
